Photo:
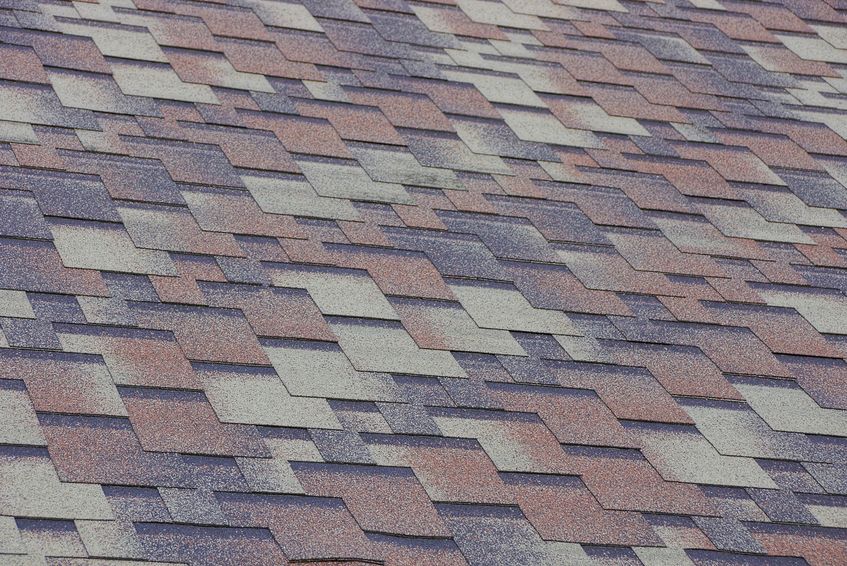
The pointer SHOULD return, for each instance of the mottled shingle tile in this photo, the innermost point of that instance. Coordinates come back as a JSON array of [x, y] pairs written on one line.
[[365, 343], [248, 395], [158, 81]]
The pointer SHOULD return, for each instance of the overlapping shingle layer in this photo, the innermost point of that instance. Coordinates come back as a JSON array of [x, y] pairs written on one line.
[[415, 282]]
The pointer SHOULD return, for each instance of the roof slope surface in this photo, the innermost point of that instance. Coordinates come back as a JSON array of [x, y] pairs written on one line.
[[423, 282]]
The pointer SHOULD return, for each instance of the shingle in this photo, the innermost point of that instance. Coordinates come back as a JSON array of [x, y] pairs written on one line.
[[515, 442], [94, 245], [19, 423], [126, 42], [57, 50], [584, 114], [446, 326], [338, 292], [813, 48], [235, 211], [368, 343], [788, 408], [597, 426], [396, 272], [173, 229], [543, 127], [645, 491], [21, 217], [36, 266], [294, 195], [210, 545], [285, 313], [390, 165], [630, 393], [129, 178], [97, 92], [343, 179], [443, 150], [69, 196], [192, 426], [86, 379], [682, 454], [305, 527], [499, 88], [580, 518], [322, 370], [232, 341], [15, 304], [382, 499], [823, 309], [244, 148], [215, 70], [263, 59], [506, 236], [497, 306], [134, 357], [280, 14], [27, 333], [665, 363], [737, 430], [158, 81], [353, 122], [299, 134], [38, 104], [249, 396], [495, 138], [24, 64], [451, 253], [187, 162], [34, 489], [501, 535]]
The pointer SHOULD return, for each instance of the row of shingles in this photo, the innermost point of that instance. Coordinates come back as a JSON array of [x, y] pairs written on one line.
[[784, 317], [426, 392], [785, 152], [814, 344], [390, 271], [130, 355], [410, 369], [34, 265], [84, 382], [554, 526], [144, 402], [360, 503], [514, 313], [150, 398], [500, 238]]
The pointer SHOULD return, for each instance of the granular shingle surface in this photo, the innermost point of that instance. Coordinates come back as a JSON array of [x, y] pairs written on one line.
[[423, 282]]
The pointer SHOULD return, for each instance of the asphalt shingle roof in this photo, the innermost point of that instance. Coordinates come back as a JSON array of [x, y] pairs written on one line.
[[408, 282]]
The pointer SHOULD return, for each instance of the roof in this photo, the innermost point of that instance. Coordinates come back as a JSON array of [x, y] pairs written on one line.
[[407, 282]]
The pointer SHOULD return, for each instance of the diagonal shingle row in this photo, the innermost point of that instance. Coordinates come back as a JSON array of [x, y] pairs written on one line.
[[413, 282]]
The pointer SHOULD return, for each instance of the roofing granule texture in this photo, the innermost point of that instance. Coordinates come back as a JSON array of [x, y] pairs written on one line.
[[423, 282]]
